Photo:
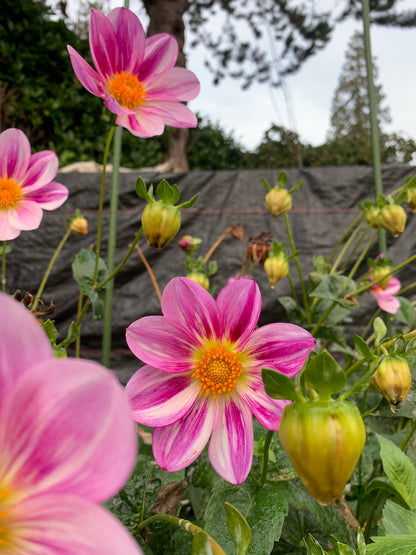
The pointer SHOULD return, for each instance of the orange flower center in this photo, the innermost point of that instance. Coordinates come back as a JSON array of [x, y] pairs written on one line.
[[9, 527], [127, 90], [217, 370], [10, 193]]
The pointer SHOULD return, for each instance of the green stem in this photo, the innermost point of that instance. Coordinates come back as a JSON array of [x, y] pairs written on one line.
[[3, 273], [49, 268], [409, 436], [345, 248], [346, 233], [265, 458], [302, 284], [294, 295], [101, 203], [78, 341], [185, 525], [120, 266], [111, 249]]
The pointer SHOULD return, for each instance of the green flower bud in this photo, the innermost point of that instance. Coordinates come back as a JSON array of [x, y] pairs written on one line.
[[323, 440], [278, 201], [393, 218], [276, 268], [378, 273], [161, 222], [200, 278], [372, 216], [411, 199], [393, 379]]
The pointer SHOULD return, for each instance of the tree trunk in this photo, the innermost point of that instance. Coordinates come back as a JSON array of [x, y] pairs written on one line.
[[166, 16]]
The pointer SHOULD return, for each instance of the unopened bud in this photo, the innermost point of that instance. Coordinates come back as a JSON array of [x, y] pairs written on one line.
[[189, 243], [378, 273], [393, 218], [278, 201], [80, 225], [199, 278], [323, 440], [276, 268], [372, 216], [161, 222], [393, 379], [411, 199]]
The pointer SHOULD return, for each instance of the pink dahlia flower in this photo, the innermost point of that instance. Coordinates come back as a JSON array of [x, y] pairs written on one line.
[[26, 184], [135, 75], [202, 378], [67, 443], [385, 297]]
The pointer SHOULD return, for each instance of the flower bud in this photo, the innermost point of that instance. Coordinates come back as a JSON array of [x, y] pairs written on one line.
[[276, 268], [323, 440], [372, 216], [393, 379], [80, 225], [189, 243], [380, 272], [161, 222], [278, 201], [411, 199], [393, 218], [200, 278]]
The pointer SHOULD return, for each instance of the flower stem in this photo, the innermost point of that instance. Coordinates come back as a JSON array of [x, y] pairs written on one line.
[[345, 248], [265, 458], [345, 235], [185, 525], [409, 436], [101, 202], [3, 273], [302, 284], [217, 243], [150, 272], [78, 341], [49, 268]]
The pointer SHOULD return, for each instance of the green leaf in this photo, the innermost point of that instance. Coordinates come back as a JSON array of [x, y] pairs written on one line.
[[212, 268], [321, 264], [281, 180], [361, 545], [189, 203], [341, 548], [169, 194], [406, 312], [279, 386], [266, 184], [399, 469], [362, 348], [397, 520], [324, 375], [313, 546], [83, 269], [201, 545], [335, 288], [392, 545], [380, 330], [264, 509], [239, 529], [296, 187], [141, 191], [382, 483]]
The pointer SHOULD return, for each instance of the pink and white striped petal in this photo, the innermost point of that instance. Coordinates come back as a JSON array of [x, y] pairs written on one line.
[[176, 84], [103, 45], [7, 232], [42, 169], [50, 196], [26, 216], [130, 39], [143, 123], [193, 308], [161, 342], [280, 346], [87, 76], [174, 114], [14, 154], [67, 428], [178, 445], [158, 399], [231, 447], [68, 525], [160, 55]]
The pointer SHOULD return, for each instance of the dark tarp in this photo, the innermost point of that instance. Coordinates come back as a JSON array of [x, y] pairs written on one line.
[[321, 212]]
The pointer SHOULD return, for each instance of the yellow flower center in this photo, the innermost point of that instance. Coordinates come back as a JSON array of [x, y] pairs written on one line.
[[10, 193], [217, 370], [127, 90], [10, 540]]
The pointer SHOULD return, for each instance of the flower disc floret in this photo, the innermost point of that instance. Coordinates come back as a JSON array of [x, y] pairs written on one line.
[[217, 370], [127, 89], [10, 193]]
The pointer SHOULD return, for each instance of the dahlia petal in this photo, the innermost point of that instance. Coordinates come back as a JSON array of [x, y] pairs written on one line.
[[239, 304], [387, 303], [14, 154], [174, 114], [7, 232], [26, 216], [142, 124], [268, 411], [178, 445], [65, 524], [176, 84], [279, 346], [393, 287], [42, 169], [103, 44], [114, 107], [160, 55], [158, 398], [86, 75], [22, 341], [192, 307], [49, 197], [68, 429], [162, 343], [231, 447], [130, 39]]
